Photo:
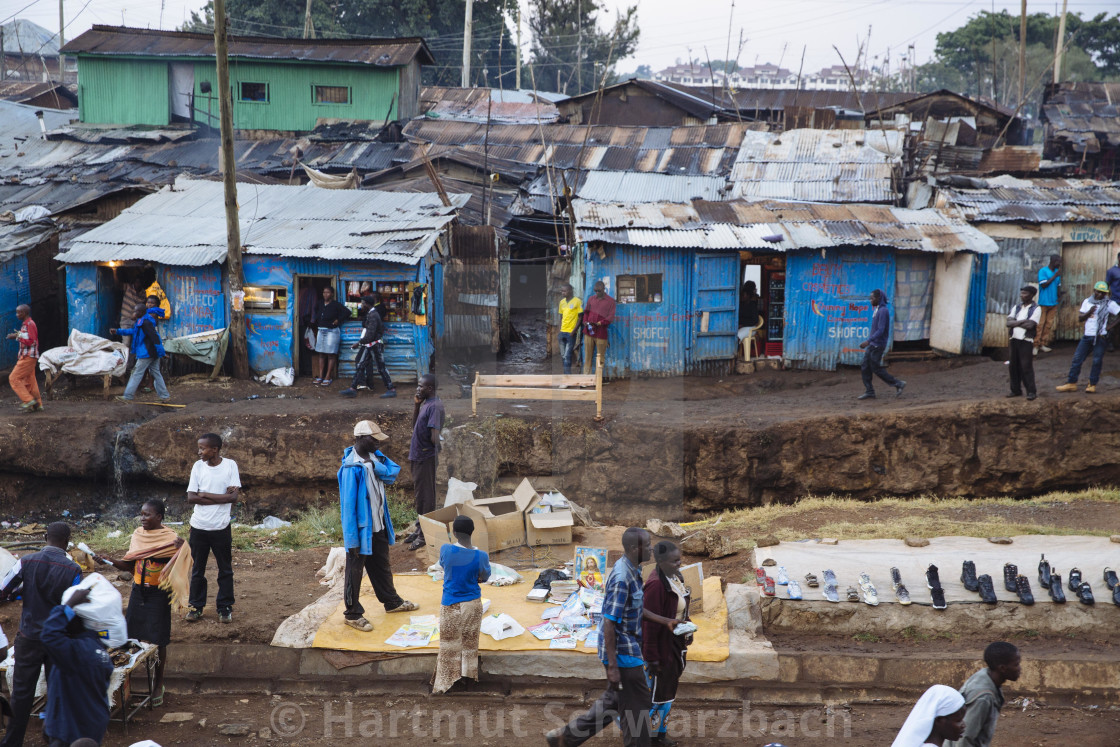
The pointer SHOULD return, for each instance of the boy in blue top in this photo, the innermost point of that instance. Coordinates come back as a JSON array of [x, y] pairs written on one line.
[[148, 349], [460, 616], [367, 530]]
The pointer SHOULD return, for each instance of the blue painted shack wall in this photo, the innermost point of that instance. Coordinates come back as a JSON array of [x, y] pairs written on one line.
[[976, 313], [14, 289], [827, 308], [90, 299], [715, 293], [198, 301], [650, 338]]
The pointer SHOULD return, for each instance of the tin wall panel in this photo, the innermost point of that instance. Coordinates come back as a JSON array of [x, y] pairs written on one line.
[[1082, 266], [269, 334], [975, 313], [1015, 264], [648, 338], [198, 303], [715, 307], [913, 295], [14, 290], [827, 308]]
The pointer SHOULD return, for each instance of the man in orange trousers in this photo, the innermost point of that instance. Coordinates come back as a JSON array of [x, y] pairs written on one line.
[[22, 377]]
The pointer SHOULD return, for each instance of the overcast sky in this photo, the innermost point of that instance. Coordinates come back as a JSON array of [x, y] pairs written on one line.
[[774, 30]]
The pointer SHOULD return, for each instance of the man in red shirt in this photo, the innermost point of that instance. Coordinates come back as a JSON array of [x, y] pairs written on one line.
[[598, 313], [22, 377]]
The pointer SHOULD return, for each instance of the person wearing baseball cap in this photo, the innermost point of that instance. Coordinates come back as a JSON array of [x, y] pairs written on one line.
[[1099, 314], [367, 529]]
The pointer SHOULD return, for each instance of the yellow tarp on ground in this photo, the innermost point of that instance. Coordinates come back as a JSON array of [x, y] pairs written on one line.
[[710, 642]]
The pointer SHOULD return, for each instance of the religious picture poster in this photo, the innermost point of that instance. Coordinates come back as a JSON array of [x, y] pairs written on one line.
[[591, 567]]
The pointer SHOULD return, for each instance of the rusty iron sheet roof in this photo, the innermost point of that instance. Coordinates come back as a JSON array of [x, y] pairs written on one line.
[[1007, 198], [741, 224], [1083, 108], [24, 91], [185, 225], [124, 41], [819, 165], [482, 104]]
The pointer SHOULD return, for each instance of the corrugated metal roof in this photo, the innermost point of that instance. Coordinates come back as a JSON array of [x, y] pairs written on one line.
[[22, 91], [483, 104], [740, 224], [1084, 108], [819, 165], [19, 238], [1036, 200], [121, 40], [637, 187], [185, 225], [18, 124]]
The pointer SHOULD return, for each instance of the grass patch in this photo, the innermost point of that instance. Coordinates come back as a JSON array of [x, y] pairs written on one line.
[[913, 635], [402, 511], [865, 638]]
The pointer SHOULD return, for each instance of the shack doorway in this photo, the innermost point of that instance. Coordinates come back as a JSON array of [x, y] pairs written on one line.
[[767, 273], [309, 292]]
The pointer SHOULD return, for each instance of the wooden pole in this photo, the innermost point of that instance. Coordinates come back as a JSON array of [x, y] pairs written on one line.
[[518, 75], [238, 347], [308, 26], [61, 34], [468, 26], [1022, 49], [1059, 46]]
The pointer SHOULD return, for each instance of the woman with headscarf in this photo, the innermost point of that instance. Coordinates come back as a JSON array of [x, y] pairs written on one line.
[[149, 607], [936, 718], [460, 617], [665, 595]]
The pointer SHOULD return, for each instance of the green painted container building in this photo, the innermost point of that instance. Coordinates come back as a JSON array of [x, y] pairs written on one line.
[[132, 76]]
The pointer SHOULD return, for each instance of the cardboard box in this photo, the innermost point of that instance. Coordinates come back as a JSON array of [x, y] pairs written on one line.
[[693, 578], [436, 527], [502, 518], [551, 528]]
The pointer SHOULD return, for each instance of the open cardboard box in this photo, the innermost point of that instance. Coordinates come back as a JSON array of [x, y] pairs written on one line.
[[502, 517], [693, 578], [436, 527], [550, 528]]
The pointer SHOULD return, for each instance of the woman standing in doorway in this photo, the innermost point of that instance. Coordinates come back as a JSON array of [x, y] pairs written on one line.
[[328, 339]]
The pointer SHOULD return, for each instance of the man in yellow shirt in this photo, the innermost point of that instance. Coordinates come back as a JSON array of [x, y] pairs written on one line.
[[571, 309]]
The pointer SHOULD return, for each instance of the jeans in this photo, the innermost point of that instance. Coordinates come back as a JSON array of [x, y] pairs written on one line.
[[1098, 346], [30, 657], [142, 365], [1021, 366], [376, 566], [873, 364], [567, 349], [202, 542]]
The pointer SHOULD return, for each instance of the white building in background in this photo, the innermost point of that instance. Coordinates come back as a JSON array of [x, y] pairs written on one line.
[[834, 78]]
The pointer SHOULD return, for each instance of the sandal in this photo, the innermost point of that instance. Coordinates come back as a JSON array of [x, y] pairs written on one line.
[[317, 380], [361, 624], [760, 576], [768, 587], [326, 382], [853, 595], [157, 700], [404, 606], [811, 580]]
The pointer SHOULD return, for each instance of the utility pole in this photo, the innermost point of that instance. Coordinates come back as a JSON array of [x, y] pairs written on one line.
[[468, 27], [1022, 51], [238, 348], [308, 26], [579, 47], [1059, 48], [518, 75], [61, 30]]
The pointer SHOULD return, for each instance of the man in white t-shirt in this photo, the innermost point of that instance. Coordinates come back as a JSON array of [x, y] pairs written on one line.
[[1023, 323], [1100, 314], [213, 489]]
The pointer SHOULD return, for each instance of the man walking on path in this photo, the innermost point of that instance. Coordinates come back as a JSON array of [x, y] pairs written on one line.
[[367, 530], [22, 377], [597, 317], [875, 346], [1100, 314], [983, 694], [370, 348], [1023, 321], [571, 308], [148, 349], [1049, 287], [423, 451], [620, 649], [214, 487], [39, 578]]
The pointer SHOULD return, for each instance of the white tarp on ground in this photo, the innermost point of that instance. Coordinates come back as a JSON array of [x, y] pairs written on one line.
[[849, 558], [86, 355]]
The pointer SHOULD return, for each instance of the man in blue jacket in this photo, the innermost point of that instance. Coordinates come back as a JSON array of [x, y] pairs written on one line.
[[148, 349], [875, 346], [79, 680], [367, 529]]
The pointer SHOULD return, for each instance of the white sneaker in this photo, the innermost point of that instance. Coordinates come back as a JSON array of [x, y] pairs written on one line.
[[1046, 349], [1036, 351]]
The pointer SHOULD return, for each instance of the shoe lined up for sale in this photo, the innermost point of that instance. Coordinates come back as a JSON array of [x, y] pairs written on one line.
[[1044, 573], [968, 576], [987, 589], [1023, 589], [1010, 572], [933, 581], [870, 596], [1074, 579], [1055, 587]]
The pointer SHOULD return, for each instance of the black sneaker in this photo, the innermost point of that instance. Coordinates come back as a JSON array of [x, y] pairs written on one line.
[[987, 589], [1044, 573], [1116, 595], [968, 575], [1110, 578], [938, 595], [1074, 579], [225, 616], [933, 581], [865, 395], [898, 388], [1085, 593], [1010, 571], [1055, 587], [896, 578], [1023, 588], [193, 615]]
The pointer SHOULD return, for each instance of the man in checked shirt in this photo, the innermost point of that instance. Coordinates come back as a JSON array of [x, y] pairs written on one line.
[[620, 649]]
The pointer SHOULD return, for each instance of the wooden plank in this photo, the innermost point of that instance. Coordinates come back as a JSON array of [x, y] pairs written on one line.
[[599, 387], [474, 394], [508, 392], [537, 380]]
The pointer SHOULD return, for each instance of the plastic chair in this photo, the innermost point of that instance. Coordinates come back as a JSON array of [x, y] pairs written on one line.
[[749, 337]]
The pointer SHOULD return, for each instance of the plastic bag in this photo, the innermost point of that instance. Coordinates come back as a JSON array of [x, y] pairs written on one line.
[[279, 377], [502, 575], [333, 570], [103, 612], [272, 522], [501, 626], [458, 491]]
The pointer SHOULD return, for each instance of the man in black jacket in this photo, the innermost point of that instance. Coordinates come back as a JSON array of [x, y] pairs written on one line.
[[40, 578], [371, 347], [79, 680]]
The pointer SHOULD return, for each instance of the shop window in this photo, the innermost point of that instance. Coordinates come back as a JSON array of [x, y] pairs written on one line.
[[394, 297], [330, 95], [639, 288], [254, 92], [265, 298]]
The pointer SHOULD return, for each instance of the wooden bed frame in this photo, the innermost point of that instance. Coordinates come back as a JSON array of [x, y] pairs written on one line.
[[541, 387]]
